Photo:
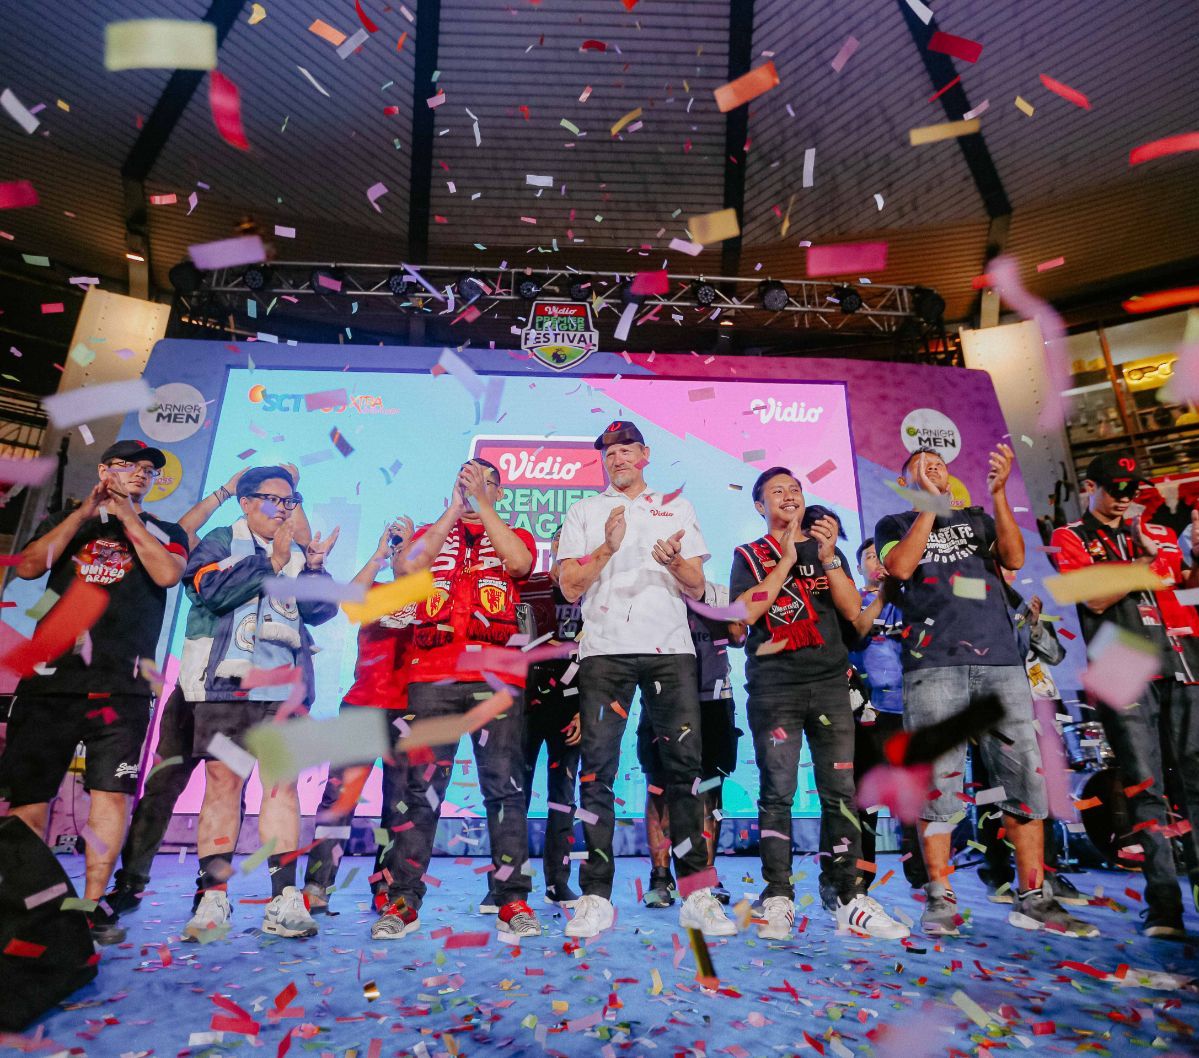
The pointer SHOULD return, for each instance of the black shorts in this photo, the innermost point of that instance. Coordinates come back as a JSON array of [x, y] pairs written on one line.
[[231, 719], [44, 730], [718, 741]]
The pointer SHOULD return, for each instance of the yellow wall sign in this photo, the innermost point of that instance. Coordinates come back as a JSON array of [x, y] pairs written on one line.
[[1150, 371]]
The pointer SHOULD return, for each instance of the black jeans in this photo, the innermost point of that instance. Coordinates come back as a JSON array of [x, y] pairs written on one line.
[[1167, 713], [155, 807], [325, 856], [547, 713], [669, 695], [869, 740], [819, 711], [422, 789]]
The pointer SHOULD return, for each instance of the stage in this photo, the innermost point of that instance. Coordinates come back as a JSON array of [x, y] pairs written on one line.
[[631, 991]]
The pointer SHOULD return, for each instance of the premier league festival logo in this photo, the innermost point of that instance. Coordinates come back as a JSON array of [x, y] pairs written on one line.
[[560, 333]]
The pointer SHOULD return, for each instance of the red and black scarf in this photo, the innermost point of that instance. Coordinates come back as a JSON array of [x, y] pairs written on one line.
[[791, 618]]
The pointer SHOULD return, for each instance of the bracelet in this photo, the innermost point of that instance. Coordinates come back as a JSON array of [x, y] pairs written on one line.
[[222, 494]]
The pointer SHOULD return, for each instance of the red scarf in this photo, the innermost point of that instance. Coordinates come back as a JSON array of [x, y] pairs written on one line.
[[791, 618]]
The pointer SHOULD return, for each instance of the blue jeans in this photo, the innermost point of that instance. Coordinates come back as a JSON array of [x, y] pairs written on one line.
[[500, 764], [819, 711], [1168, 713], [1009, 749], [670, 696]]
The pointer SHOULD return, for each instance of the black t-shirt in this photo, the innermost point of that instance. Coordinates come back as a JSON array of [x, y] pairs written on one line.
[[101, 554], [945, 629], [807, 664]]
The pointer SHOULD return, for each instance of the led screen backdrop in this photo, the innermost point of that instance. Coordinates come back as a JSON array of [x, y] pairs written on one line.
[[390, 428]]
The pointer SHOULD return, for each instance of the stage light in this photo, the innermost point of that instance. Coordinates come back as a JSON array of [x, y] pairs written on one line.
[[929, 305], [326, 281], [704, 293], [469, 287], [774, 295], [256, 277], [400, 283], [185, 277], [529, 288], [848, 298], [581, 288]]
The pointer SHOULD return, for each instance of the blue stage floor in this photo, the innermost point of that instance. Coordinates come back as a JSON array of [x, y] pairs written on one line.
[[631, 991]]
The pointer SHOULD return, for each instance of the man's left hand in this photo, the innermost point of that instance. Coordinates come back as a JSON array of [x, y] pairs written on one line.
[[666, 551], [1000, 462], [824, 532], [472, 478], [119, 503]]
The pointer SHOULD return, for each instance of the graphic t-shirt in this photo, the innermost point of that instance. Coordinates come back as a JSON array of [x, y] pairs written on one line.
[[101, 554], [945, 628], [878, 656], [1087, 541], [807, 664]]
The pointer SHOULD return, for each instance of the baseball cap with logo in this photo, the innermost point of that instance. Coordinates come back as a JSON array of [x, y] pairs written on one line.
[[619, 432], [1118, 474], [132, 452]]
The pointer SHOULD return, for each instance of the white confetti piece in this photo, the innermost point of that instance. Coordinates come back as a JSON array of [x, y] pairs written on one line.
[[313, 81], [809, 167], [94, 402], [18, 112]]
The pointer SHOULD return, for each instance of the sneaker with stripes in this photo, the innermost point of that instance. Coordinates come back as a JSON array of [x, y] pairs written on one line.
[[865, 915], [779, 915], [518, 919]]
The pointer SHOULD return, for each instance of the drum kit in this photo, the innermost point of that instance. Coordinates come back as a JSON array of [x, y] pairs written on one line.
[[1097, 784]]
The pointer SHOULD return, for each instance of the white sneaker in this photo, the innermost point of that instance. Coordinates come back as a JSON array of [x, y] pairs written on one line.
[[863, 914], [702, 911], [779, 912], [592, 916], [287, 916], [211, 919]]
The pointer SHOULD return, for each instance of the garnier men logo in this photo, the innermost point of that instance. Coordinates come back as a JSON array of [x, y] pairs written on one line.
[[560, 333]]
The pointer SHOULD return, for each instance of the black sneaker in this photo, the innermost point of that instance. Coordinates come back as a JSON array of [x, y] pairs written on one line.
[[489, 905], [721, 893], [123, 898], [1163, 921], [562, 894], [661, 888], [1065, 891], [104, 926], [829, 898]]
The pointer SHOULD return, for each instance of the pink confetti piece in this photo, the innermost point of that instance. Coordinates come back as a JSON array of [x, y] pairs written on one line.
[[822, 471], [27, 471], [959, 47], [1055, 262], [224, 100], [651, 283], [17, 194], [52, 308], [45, 896], [374, 193], [1147, 152], [705, 393], [467, 940], [1119, 669], [735, 611], [228, 253], [326, 399], [692, 249], [847, 259], [844, 55], [1071, 95]]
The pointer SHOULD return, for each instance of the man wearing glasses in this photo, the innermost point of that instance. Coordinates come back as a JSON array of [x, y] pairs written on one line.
[[96, 693], [236, 627], [476, 559]]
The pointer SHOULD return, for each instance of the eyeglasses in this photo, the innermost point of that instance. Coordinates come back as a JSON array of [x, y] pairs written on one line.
[[120, 466], [288, 503]]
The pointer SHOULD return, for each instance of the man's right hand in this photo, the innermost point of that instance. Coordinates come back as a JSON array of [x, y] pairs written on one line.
[[90, 507], [614, 528], [792, 535], [921, 475], [281, 546]]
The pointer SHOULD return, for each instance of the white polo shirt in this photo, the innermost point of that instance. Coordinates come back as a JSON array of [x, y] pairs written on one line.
[[636, 606]]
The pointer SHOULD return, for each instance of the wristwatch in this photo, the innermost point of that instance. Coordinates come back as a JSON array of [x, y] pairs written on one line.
[[835, 564]]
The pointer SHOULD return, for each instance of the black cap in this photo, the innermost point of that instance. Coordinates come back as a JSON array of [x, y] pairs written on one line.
[[252, 479], [619, 432], [132, 451], [1116, 473]]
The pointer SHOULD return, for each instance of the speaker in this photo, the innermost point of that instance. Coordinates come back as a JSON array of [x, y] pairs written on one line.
[[45, 953]]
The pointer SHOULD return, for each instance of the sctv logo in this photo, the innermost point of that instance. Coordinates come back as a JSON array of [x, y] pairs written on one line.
[[276, 401]]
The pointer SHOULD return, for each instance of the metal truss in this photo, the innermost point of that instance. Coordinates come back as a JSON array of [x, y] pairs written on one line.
[[814, 304]]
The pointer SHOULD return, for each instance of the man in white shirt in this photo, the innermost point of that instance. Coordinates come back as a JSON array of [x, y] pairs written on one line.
[[632, 554]]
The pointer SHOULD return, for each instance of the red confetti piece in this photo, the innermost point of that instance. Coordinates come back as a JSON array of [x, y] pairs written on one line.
[[17, 193], [959, 47], [822, 471], [1147, 152], [850, 258], [367, 24], [49, 308], [651, 283], [1044, 1028], [24, 949], [1163, 299], [1055, 262], [73, 614], [340, 443], [285, 997], [593, 45], [1071, 95], [224, 100], [941, 91], [618, 709], [467, 940], [1132, 791]]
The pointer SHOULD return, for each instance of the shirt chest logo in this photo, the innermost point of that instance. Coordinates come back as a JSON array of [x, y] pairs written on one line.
[[103, 562]]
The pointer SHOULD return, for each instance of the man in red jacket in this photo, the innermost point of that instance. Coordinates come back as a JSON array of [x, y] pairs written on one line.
[[1167, 712]]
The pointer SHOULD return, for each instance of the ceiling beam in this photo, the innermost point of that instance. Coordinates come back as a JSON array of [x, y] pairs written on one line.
[[736, 127], [151, 140], [420, 179]]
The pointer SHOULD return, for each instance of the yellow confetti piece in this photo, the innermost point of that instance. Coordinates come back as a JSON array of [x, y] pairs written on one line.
[[632, 115], [1103, 579], [970, 588], [257, 14], [1024, 106], [62, 104], [561, 1006], [714, 227], [657, 979], [971, 1009], [947, 130], [159, 44], [529, 1021], [388, 598]]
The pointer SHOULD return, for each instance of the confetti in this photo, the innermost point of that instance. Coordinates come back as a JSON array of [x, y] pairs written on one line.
[[18, 111], [160, 44], [374, 193], [958, 47], [631, 116], [946, 130], [224, 100], [970, 588], [17, 194], [229, 753], [921, 11], [746, 87], [1163, 148], [1024, 106], [1121, 664], [89, 403], [1070, 95], [228, 253], [34, 471], [327, 32], [326, 400], [822, 471], [844, 55], [1097, 581], [388, 598], [847, 258], [353, 736], [714, 227]]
